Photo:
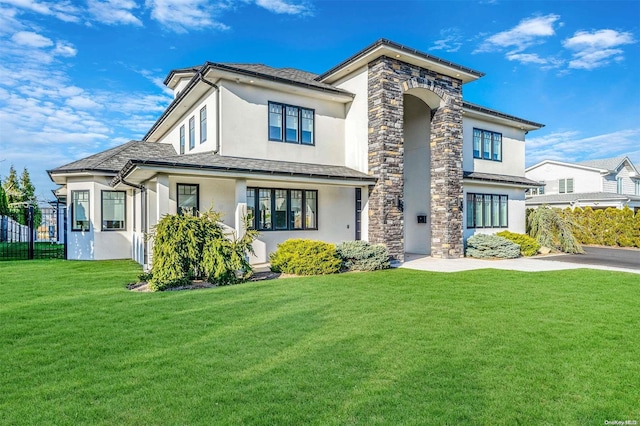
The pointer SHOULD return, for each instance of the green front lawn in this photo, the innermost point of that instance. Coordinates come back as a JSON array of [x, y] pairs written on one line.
[[18, 251], [391, 347]]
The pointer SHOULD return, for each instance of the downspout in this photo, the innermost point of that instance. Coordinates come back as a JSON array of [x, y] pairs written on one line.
[[218, 112], [143, 215]]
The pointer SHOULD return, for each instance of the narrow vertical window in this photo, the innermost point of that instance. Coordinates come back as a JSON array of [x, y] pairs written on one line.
[[470, 211], [264, 209], [570, 186], [133, 209], [638, 187], [203, 124], [188, 199], [292, 129], [562, 186], [358, 214], [281, 209], [192, 133], [486, 145], [251, 207], [478, 202], [495, 211], [504, 219], [487, 210], [477, 143], [307, 126], [79, 210], [113, 210], [497, 147], [182, 139], [295, 213], [619, 185], [275, 122], [541, 189], [311, 209]]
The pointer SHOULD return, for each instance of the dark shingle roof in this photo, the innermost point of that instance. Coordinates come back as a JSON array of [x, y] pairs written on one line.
[[485, 110], [114, 159], [490, 177], [216, 162], [587, 196]]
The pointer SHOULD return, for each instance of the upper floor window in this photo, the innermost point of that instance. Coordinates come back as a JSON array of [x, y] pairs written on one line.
[[182, 139], [80, 210], [113, 210], [282, 209], [192, 133], [565, 186], [638, 187], [203, 124], [288, 123], [487, 211], [619, 185], [188, 198], [487, 145]]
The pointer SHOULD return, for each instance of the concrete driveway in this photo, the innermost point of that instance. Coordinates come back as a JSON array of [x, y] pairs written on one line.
[[605, 256]]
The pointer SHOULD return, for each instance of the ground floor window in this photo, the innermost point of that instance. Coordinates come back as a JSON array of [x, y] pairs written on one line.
[[80, 210], [487, 211], [113, 210], [270, 209], [188, 199]]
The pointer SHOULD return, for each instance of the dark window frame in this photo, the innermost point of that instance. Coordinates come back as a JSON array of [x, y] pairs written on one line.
[[288, 219], [283, 124], [88, 213], [472, 198], [203, 124], [483, 154], [124, 222], [192, 133], [182, 139], [197, 186]]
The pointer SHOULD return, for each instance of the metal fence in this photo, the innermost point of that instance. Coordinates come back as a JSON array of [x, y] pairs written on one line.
[[42, 235]]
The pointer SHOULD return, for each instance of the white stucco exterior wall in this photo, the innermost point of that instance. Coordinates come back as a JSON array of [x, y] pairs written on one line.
[[516, 208]]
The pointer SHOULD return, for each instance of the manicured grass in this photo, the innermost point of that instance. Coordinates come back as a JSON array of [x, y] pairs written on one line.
[[391, 347], [18, 251]]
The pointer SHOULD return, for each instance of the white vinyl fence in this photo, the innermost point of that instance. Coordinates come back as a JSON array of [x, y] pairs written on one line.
[[12, 232]]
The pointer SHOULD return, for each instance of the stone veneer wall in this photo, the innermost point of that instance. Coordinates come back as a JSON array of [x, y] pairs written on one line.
[[388, 79]]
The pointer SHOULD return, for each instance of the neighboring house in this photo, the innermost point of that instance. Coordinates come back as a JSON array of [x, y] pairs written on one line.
[[599, 184], [380, 147]]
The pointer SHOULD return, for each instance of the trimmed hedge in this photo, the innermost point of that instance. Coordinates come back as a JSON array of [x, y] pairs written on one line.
[[362, 256], [610, 227], [528, 246], [484, 246], [305, 257]]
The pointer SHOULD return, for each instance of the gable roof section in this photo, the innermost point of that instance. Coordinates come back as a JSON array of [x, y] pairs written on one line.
[[114, 159], [606, 165], [574, 197], [219, 163], [386, 47]]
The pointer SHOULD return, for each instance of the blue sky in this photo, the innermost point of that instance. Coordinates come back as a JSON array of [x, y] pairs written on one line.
[[78, 77]]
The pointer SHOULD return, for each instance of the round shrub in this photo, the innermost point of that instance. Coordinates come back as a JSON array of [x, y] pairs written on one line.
[[486, 246], [528, 246], [362, 256], [305, 257]]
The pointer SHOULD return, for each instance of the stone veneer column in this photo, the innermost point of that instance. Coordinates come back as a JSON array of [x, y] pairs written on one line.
[[387, 80]]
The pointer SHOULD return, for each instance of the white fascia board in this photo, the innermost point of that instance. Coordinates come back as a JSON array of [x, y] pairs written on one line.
[[560, 163], [214, 74], [492, 183], [499, 120], [61, 177], [145, 173]]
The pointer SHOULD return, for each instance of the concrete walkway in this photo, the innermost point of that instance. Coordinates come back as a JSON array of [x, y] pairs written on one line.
[[527, 264]]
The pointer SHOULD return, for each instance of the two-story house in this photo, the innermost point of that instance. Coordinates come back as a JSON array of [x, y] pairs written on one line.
[[599, 184], [380, 147]]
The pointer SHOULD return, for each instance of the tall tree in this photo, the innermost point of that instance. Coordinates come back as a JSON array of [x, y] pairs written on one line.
[[11, 186], [27, 188], [4, 204]]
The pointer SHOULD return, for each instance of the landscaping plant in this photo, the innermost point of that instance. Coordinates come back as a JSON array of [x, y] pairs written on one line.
[[305, 257], [362, 256], [485, 246], [553, 230], [528, 245]]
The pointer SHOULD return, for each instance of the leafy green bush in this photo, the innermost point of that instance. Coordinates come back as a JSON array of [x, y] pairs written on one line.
[[610, 227], [305, 257], [362, 256], [188, 247], [486, 246], [528, 245]]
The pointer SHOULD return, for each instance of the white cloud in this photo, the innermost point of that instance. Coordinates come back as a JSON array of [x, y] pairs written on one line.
[[82, 102], [282, 7], [527, 33], [570, 146], [451, 40], [526, 58], [63, 10], [113, 12], [181, 16], [65, 49], [596, 49], [31, 39]]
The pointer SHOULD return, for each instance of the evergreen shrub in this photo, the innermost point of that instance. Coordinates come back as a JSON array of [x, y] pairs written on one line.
[[485, 246], [305, 257], [528, 245], [188, 247], [362, 256]]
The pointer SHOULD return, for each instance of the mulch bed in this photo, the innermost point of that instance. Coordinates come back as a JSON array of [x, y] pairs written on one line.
[[195, 285]]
